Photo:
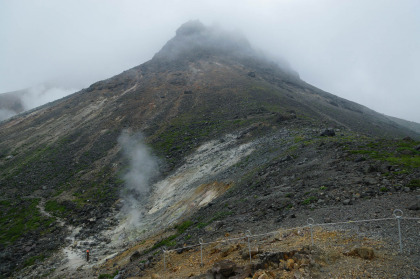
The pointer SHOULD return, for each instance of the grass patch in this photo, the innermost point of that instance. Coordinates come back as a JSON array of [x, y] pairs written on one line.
[[19, 217], [414, 184], [384, 189], [397, 152], [309, 200], [32, 260], [108, 276], [55, 208], [170, 240], [219, 215], [183, 226]]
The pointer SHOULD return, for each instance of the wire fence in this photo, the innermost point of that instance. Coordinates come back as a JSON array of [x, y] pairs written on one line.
[[397, 228]]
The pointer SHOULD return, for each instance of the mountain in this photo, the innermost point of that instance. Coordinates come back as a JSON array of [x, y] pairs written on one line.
[[207, 130], [408, 124]]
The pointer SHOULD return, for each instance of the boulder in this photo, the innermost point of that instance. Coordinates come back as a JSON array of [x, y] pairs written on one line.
[[242, 272], [136, 255], [245, 253], [408, 139], [328, 133], [416, 204], [225, 251], [366, 253], [224, 268], [290, 263], [347, 202]]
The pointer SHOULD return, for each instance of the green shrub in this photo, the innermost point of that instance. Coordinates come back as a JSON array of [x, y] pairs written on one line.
[[415, 183], [309, 200]]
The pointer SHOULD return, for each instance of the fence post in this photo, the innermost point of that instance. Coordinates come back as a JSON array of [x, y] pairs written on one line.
[[310, 222], [398, 215], [248, 234], [200, 240]]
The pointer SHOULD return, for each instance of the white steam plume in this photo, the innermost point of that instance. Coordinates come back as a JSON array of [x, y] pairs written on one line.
[[143, 167]]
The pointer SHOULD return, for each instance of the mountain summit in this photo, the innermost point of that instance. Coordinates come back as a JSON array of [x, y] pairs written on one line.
[[207, 130], [194, 39]]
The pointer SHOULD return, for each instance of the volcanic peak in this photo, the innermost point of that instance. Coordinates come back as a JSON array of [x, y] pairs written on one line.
[[193, 39]]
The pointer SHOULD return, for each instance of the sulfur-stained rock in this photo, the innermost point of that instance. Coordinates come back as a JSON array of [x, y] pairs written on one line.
[[290, 264]]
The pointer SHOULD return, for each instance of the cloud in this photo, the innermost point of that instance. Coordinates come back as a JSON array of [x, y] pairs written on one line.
[[365, 51], [42, 94], [6, 113], [23, 100]]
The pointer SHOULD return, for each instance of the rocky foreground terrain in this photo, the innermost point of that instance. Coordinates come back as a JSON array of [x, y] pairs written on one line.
[[207, 141]]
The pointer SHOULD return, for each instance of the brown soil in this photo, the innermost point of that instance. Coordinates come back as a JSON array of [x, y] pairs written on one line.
[[332, 256]]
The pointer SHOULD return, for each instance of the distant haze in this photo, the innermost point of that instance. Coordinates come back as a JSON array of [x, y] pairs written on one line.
[[364, 51], [31, 98]]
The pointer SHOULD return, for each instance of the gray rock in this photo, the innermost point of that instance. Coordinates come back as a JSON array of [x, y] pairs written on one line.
[[328, 133], [416, 204], [135, 256], [360, 159], [251, 74], [225, 268], [347, 202], [327, 220]]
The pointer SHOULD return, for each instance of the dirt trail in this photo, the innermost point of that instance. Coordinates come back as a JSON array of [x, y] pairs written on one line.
[[41, 207]]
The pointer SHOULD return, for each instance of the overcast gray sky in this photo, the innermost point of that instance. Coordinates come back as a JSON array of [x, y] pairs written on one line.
[[367, 51]]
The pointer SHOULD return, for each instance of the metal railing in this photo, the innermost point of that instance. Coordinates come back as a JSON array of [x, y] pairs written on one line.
[[310, 226]]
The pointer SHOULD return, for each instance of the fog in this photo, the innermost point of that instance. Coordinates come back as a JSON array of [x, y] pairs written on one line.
[[41, 94], [364, 51], [31, 98]]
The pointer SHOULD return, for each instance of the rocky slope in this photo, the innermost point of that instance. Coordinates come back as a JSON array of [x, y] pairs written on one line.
[[231, 137]]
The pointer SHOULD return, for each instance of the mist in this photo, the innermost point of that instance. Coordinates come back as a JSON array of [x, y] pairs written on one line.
[[364, 51], [27, 99], [142, 168], [6, 113], [42, 94]]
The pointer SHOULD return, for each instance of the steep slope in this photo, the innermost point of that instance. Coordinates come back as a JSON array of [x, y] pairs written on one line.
[[205, 104], [408, 124]]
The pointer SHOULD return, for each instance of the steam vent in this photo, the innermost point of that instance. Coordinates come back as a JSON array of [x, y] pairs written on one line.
[[210, 147]]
